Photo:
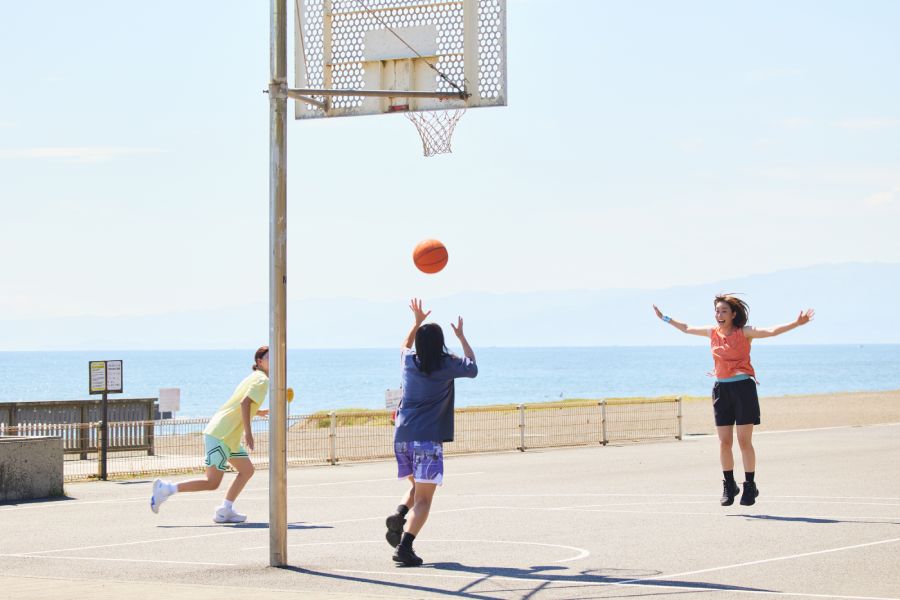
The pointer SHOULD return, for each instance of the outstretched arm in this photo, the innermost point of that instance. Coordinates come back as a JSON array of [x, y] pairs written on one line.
[[458, 330], [683, 327], [420, 315], [802, 319]]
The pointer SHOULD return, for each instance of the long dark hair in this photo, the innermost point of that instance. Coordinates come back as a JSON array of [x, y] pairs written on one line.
[[260, 353], [741, 309], [430, 348]]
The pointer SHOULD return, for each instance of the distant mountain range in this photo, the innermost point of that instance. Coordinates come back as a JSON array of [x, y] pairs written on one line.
[[855, 303]]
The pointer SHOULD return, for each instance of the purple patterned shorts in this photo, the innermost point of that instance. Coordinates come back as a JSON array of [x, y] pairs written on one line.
[[423, 460]]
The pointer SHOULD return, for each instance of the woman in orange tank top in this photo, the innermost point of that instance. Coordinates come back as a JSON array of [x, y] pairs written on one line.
[[735, 402]]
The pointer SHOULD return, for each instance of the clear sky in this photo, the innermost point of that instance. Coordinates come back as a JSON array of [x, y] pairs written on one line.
[[646, 144]]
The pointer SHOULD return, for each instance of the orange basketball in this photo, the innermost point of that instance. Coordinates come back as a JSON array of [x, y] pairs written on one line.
[[430, 256]]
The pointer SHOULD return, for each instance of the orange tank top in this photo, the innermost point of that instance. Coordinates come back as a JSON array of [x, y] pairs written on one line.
[[731, 354]]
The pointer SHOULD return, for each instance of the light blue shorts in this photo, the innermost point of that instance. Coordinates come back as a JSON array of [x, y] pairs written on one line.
[[423, 460], [218, 453]]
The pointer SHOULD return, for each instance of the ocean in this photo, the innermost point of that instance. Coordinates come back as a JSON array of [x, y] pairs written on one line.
[[333, 379]]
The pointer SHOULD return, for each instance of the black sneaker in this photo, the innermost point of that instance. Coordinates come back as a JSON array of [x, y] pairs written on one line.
[[730, 489], [406, 557], [395, 525], [748, 498]]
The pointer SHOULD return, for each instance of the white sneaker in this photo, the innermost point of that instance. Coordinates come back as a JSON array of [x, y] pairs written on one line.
[[161, 491], [228, 515]]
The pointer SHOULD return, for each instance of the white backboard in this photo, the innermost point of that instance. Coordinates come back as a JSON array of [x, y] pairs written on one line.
[[455, 46]]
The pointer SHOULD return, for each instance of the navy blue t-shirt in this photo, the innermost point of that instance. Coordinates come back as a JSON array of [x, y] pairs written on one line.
[[426, 408]]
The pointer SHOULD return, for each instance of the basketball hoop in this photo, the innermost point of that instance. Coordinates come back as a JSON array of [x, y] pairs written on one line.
[[429, 59], [436, 128]]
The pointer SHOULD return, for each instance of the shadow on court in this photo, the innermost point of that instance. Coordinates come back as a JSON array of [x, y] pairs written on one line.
[[39, 501], [378, 583], [816, 520], [291, 526], [542, 576]]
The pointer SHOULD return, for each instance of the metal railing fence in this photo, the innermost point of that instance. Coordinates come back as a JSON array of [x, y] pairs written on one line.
[[83, 439], [171, 446], [76, 411]]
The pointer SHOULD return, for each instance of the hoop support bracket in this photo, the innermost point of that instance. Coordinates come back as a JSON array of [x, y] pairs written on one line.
[[308, 100], [304, 94]]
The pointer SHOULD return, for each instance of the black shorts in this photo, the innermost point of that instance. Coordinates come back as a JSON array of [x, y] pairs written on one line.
[[735, 403]]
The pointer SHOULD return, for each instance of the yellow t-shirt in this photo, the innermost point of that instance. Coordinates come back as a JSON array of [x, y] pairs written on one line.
[[227, 424]]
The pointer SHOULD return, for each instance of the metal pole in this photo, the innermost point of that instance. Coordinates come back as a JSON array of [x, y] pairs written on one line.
[[104, 434], [278, 285], [679, 432], [332, 437], [603, 435], [522, 427]]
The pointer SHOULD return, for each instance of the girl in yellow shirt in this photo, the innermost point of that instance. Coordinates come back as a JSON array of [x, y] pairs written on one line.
[[222, 438]]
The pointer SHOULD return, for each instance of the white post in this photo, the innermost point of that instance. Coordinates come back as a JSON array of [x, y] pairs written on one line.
[[522, 427], [332, 436], [679, 432], [278, 284], [603, 437]]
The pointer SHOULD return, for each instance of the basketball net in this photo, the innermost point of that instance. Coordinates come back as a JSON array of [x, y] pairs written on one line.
[[436, 128]]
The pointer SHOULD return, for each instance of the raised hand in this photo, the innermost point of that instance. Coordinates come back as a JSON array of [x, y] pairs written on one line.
[[658, 312], [806, 317], [458, 328], [416, 306]]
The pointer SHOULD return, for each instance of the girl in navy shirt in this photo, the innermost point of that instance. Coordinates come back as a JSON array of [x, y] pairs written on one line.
[[424, 423]]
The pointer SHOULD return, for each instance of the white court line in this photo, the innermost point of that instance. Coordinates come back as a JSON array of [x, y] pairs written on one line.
[[600, 508], [837, 497], [200, 495], [657, 503], [608, 510], [645, 495], [140, 560], [731, 514], [571, 582], [765, 560], [779, 431], [381, 517], [231, 531], [707, 502], [349, 481], [581, 552]]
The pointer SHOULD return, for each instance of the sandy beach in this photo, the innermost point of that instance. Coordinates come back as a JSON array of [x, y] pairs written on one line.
[[805, 412]]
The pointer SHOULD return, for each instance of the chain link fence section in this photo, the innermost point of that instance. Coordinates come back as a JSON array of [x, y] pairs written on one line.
[[175, 446], [632, 420]]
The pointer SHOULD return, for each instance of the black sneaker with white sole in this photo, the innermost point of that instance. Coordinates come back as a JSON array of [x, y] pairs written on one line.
[[748, 498], [730, 490], [406, 557], [395, 525]]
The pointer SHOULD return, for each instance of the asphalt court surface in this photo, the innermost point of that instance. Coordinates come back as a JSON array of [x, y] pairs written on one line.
[[621, 521]]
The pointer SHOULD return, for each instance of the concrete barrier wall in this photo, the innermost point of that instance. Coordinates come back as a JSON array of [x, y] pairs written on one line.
[[30, 467]]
